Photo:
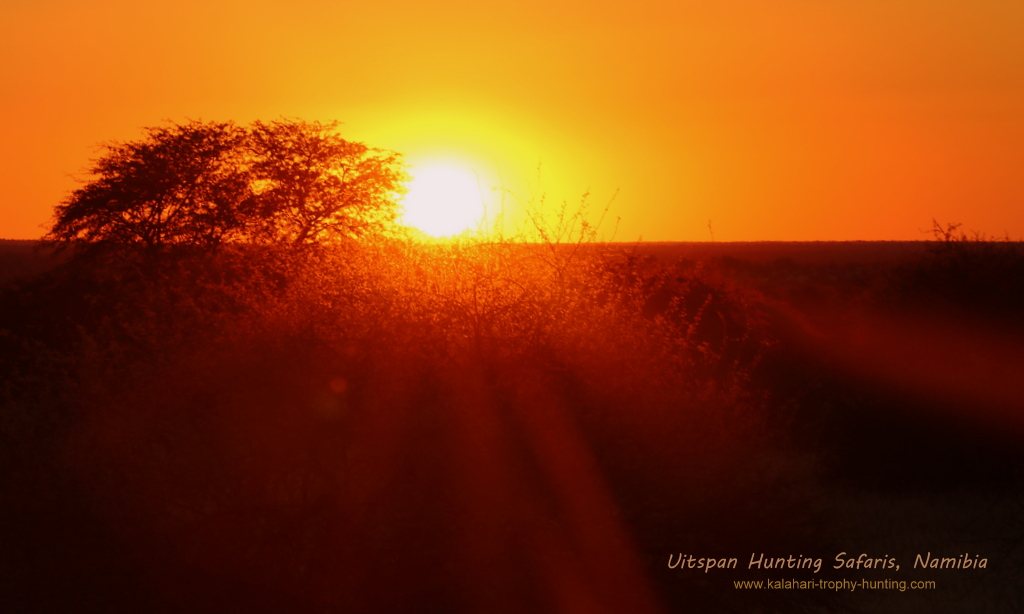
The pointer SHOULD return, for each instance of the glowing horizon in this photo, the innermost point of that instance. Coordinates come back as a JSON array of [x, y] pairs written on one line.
[[795, 121]]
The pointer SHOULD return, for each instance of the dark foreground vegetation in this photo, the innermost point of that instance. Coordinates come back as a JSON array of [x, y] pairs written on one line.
[[499, 427]]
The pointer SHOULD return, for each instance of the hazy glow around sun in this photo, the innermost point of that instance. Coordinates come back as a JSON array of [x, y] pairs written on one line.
[[444, 199]]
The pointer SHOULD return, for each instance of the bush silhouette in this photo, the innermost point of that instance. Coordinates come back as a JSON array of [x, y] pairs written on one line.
[[967, 275], [207, 184]]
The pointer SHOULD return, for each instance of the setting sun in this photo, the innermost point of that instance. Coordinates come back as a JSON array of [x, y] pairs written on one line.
[[526, 306], [443, 200]]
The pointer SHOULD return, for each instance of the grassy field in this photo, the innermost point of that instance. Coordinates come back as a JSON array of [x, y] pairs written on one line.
[[508, 427]]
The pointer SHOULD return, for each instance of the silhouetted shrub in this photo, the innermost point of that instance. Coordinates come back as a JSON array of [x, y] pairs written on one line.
[[974, 276]]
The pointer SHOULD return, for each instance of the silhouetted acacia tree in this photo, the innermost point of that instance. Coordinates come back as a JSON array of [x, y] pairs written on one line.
[[203, 184], [313, 186], [182, 184]]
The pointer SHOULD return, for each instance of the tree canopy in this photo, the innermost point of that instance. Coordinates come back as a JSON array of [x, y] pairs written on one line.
[[205, 184]]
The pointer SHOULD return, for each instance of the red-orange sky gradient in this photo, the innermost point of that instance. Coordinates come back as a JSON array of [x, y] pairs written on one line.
[[774, 119]]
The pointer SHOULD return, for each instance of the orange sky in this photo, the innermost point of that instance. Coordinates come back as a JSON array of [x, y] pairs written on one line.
[[775, 119]]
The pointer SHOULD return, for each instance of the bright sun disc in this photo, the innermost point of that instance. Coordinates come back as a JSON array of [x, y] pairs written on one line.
[[443, 200]]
